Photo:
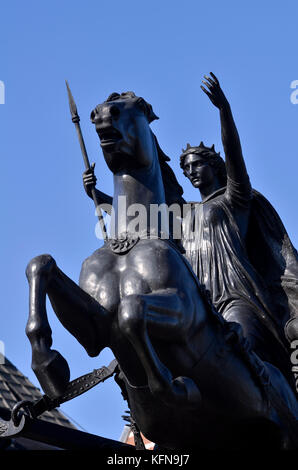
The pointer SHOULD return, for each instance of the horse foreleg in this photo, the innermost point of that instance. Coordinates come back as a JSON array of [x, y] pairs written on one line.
[[50, 368], [79, 313], [162, 315]]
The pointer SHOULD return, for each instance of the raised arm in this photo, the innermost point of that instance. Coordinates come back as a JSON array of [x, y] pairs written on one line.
[[89, 181], [235, 165]]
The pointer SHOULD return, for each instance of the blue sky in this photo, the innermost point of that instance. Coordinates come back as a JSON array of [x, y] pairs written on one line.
[[160, 50]]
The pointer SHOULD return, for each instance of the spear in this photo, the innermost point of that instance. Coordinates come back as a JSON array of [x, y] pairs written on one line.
[[76, 120]]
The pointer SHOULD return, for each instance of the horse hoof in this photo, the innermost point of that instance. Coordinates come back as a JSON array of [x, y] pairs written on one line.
[[186, 393], [53, 374]]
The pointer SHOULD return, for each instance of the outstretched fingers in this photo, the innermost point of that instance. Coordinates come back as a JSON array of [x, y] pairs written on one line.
[[207, 84], [213, 91], [214, 78], [205, 91], [211, 83]]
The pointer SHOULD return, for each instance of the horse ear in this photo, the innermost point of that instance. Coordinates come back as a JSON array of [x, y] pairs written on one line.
[[147, 110], [113, 96], [153, 117], [151, 114]]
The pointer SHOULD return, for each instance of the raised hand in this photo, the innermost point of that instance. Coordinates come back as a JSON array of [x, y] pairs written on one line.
[[89, 180], [214, 92]]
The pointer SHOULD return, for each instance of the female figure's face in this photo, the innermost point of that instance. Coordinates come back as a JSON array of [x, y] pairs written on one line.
[[198, 171]]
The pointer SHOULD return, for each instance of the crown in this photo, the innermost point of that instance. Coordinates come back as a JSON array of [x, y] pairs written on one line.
[[201, 147]]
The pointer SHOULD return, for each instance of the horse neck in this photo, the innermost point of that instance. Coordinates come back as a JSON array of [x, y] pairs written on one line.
[[142, 187]]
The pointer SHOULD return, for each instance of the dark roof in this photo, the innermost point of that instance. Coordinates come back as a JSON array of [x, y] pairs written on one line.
[[14, 387]]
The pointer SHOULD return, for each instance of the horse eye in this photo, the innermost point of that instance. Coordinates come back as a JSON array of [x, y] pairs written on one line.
[[115, 111]]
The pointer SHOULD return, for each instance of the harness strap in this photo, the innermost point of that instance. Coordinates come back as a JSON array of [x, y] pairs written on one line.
[[74, 389]]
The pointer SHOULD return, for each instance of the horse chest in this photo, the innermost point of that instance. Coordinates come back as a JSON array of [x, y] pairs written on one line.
[[109, 277]]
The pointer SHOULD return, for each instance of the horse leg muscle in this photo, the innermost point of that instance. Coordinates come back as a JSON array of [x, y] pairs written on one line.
[[135, 321], [77, 311]]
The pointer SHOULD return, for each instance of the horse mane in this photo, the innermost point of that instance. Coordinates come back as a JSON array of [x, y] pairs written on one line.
[[173, 190]]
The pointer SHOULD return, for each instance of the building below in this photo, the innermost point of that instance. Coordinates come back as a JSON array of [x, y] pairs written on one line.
[[128, 438], [14, 387]]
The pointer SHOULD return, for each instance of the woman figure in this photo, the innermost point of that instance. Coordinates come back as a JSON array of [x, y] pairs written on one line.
[[234, 240]]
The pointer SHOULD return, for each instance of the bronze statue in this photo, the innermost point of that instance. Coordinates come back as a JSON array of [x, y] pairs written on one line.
[[237, 244], [191, 378]]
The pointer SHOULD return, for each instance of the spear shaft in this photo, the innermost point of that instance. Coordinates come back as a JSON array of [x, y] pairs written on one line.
[[76, 120]]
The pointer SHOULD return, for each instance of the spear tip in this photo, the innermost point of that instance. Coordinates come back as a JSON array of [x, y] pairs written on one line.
[[72, 106]]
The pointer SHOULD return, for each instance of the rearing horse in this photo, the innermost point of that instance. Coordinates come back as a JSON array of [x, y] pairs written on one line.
[[191, 380]]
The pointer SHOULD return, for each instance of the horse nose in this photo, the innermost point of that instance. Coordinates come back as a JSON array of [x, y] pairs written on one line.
[[103, 123], [102, 120], [106, 116]]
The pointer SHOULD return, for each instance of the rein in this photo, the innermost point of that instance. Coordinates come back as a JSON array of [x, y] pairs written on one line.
[[74, 389]]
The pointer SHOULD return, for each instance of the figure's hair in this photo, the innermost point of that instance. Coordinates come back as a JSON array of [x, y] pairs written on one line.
[[212, 157], [130, 95]]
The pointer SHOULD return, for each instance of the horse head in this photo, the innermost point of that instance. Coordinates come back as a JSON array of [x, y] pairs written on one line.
[[122, 124]]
